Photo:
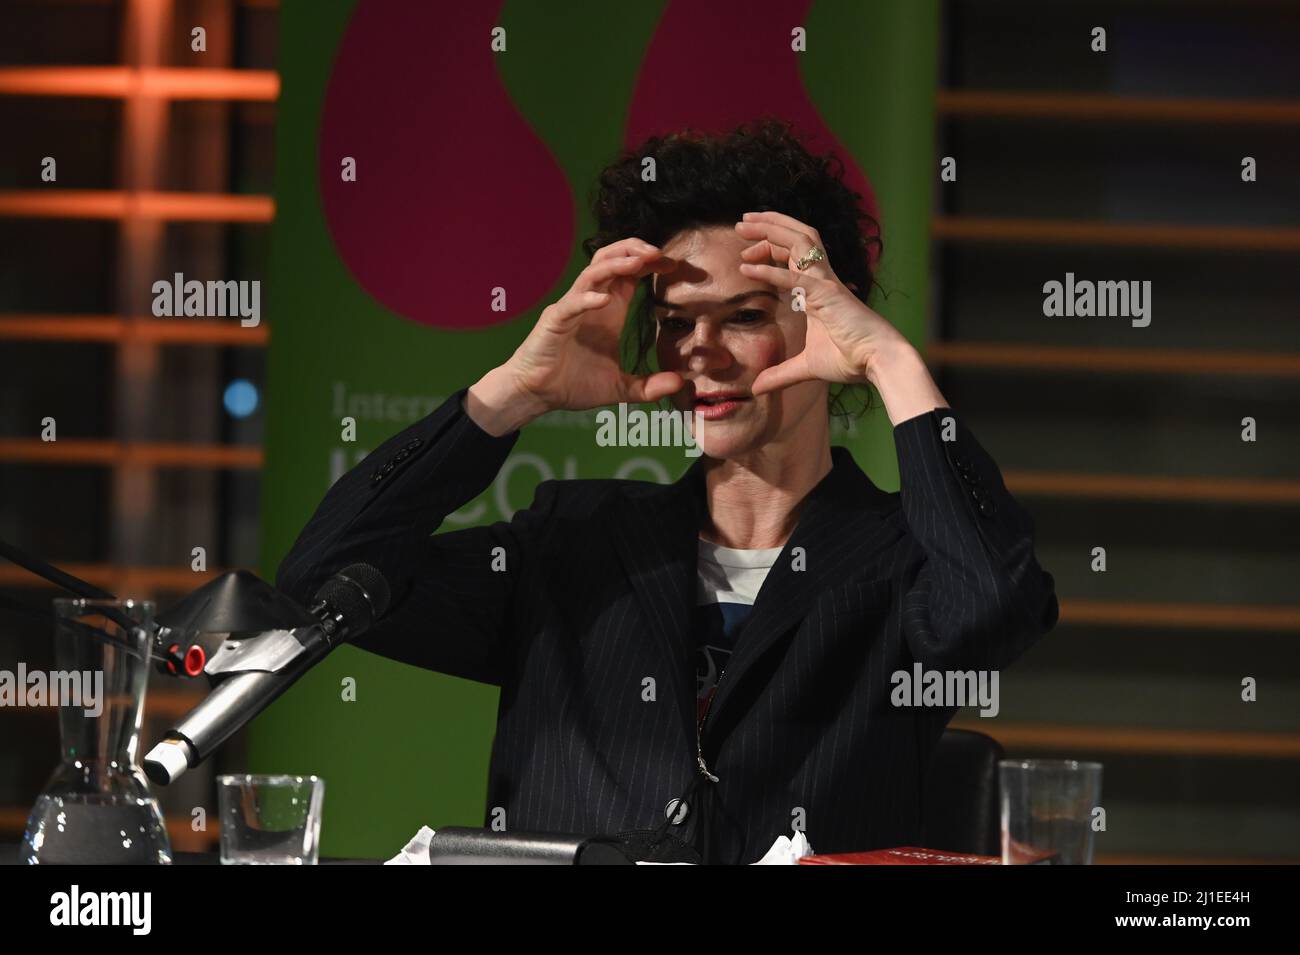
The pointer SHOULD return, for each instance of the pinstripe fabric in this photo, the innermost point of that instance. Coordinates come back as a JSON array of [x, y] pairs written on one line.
[[588, 631]]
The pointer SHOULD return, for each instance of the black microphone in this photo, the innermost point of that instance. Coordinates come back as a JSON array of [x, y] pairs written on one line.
[[251, 673]]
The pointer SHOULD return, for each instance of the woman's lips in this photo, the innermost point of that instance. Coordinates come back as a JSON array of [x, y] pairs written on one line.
[[711, 407]]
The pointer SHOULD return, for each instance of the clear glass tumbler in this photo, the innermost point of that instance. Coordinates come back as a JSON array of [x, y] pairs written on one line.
[[1047, 810], [97, 807], [270, 820]]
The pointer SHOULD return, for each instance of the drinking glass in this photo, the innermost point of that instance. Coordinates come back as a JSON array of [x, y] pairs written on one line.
[[1047, 809], [270, 820]]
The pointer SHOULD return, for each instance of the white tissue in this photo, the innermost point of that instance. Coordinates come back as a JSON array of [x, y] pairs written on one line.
[[785, 851], [415, 852]]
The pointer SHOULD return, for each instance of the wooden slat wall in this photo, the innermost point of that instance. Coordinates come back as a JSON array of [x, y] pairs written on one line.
[[145, 464], [1126, 166]]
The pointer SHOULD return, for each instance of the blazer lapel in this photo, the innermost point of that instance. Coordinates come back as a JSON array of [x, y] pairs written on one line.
[[657, 540], [843, 525], [844, 522]]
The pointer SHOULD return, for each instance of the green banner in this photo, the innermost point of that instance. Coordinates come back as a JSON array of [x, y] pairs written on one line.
[[434, 165]]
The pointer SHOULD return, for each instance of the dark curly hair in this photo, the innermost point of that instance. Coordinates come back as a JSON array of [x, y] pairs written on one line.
[[706, 180]]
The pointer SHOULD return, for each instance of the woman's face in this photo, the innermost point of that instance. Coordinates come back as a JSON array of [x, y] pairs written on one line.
[[718, 329]]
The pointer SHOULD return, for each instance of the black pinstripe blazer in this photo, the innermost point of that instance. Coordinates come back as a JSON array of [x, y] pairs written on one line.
[[588, 632]]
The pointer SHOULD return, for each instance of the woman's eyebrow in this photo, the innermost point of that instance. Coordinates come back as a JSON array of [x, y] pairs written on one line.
[[733, 300]]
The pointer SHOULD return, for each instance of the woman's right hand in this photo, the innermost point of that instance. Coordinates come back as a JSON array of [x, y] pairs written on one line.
[[570, 360]]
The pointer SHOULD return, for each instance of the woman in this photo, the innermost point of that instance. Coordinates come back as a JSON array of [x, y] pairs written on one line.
[[712, 661]]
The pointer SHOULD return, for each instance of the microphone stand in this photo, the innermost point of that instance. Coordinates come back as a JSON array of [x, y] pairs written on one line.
[[77, 587]]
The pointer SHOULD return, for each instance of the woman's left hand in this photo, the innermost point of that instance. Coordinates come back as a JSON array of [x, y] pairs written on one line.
[[845, 338]]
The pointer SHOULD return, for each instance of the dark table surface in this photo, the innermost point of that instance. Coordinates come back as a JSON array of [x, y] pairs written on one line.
[[9, 856]]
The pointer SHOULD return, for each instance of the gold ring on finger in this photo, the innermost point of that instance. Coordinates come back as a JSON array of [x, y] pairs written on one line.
[[812, 255]]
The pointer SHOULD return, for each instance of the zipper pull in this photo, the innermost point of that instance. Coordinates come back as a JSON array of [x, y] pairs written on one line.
[[699, 736], [703, 767]]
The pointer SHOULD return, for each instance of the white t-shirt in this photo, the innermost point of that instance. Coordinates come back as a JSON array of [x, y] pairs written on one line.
[[728, 583]]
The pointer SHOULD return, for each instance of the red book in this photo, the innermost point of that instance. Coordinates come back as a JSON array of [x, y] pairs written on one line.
[[910, 855]]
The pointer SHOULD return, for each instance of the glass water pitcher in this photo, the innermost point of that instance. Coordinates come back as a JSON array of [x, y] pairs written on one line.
[[97, 807]]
